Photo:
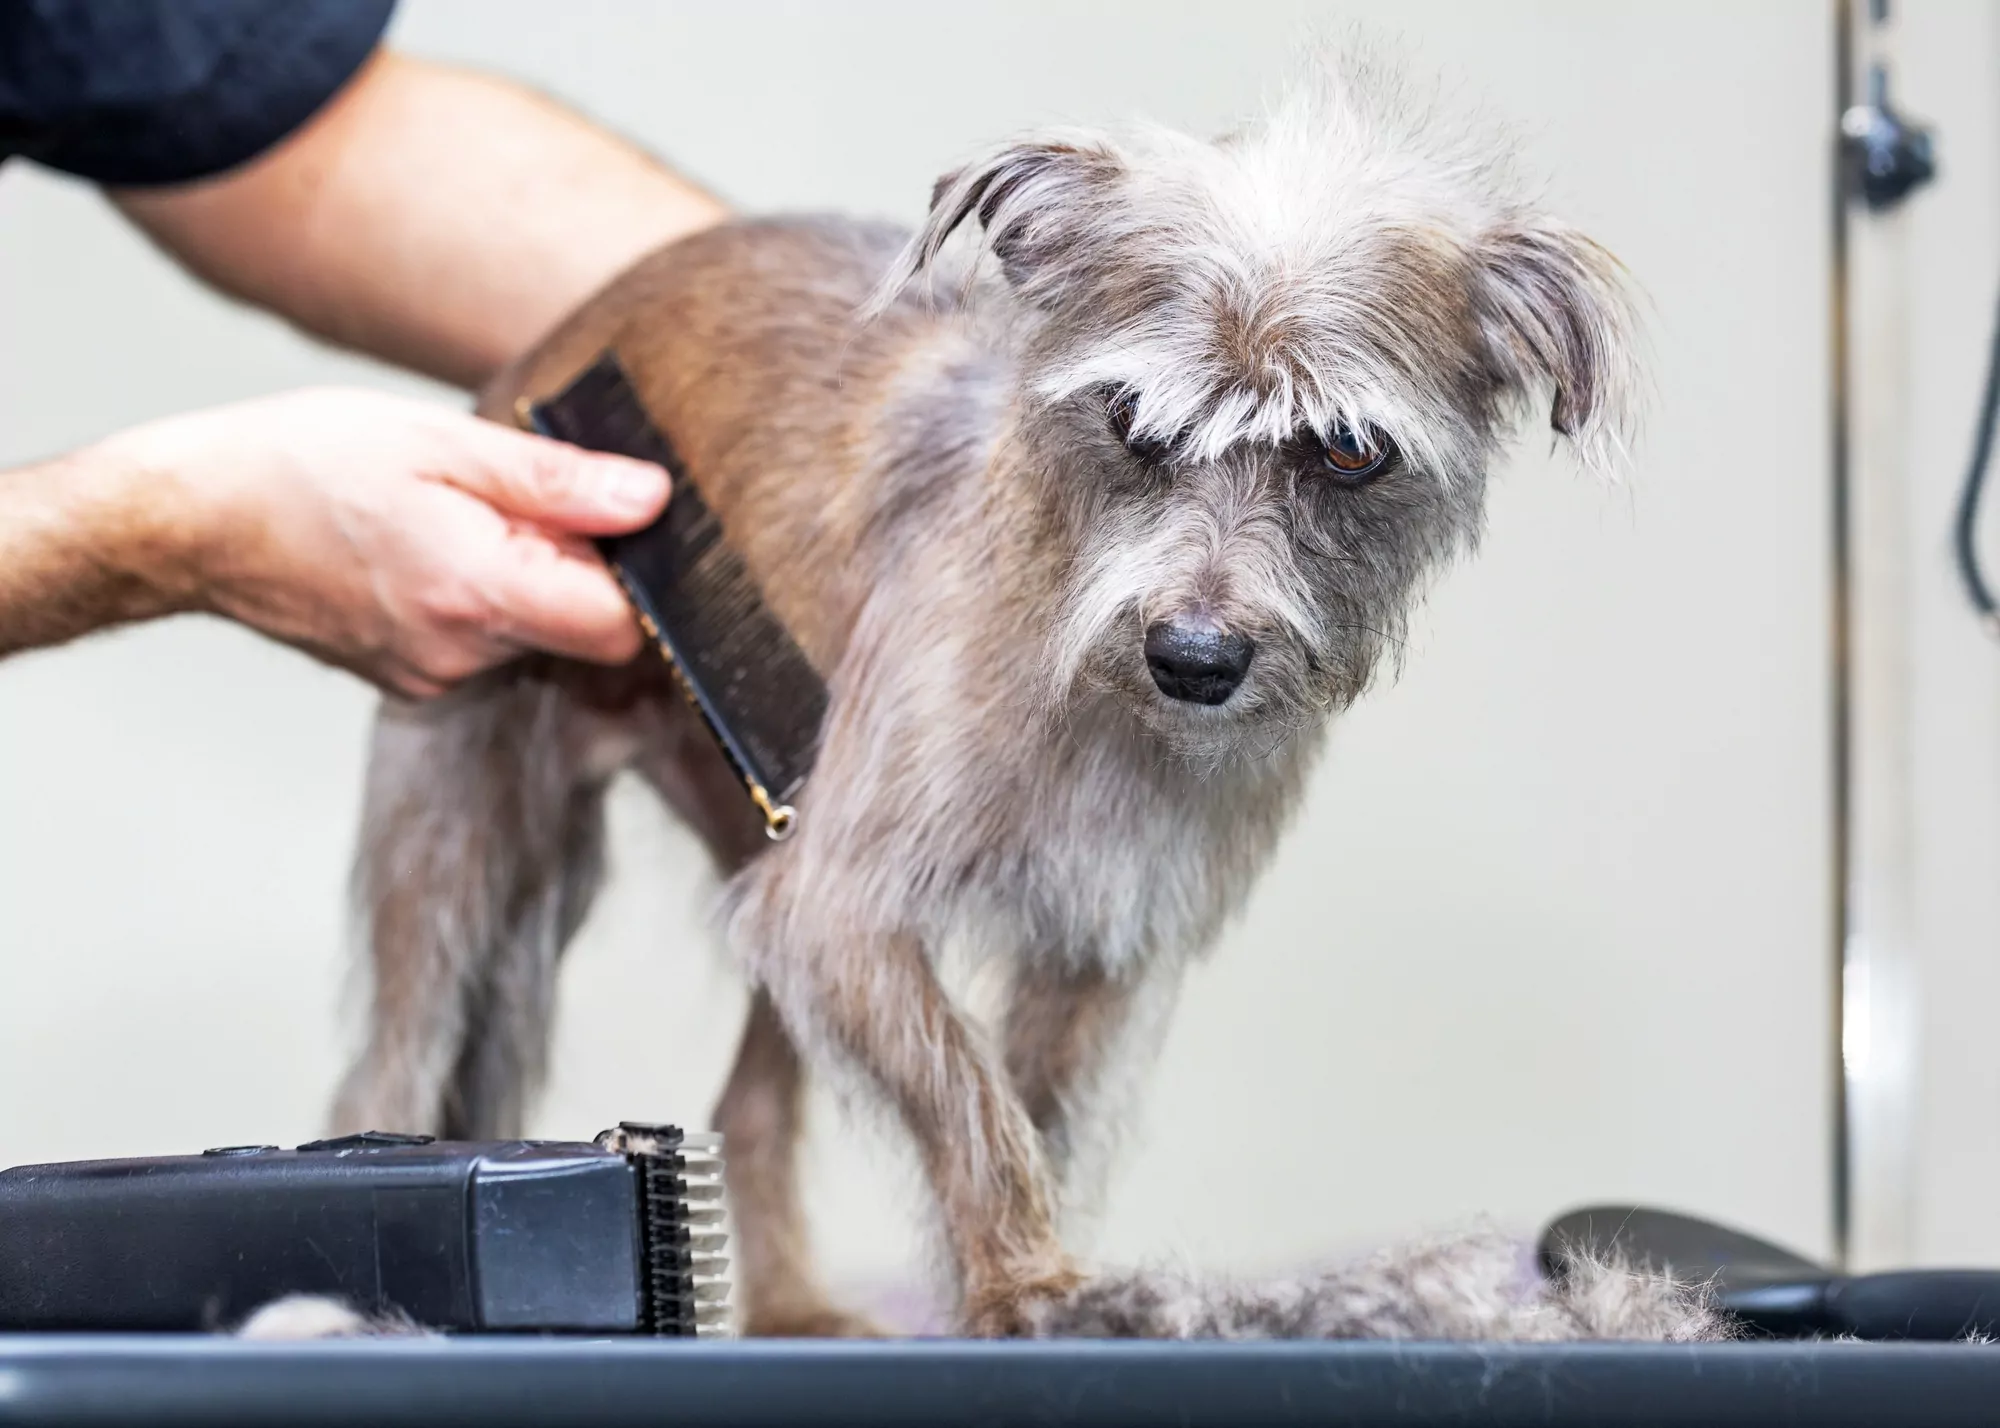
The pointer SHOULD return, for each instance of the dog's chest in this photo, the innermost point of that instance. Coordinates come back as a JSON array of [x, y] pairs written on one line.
[[1114, 857]]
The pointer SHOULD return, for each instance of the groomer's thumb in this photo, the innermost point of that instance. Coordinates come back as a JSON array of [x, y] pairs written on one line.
[[560, 486]]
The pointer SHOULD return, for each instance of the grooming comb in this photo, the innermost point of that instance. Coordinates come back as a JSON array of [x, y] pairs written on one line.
[[621, 1235], [754, 688]]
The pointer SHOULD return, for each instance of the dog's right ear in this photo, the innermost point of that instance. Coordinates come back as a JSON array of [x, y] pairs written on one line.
[[1036, 200]]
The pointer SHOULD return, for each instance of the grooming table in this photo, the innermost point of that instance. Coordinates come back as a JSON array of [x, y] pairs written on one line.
[[500, 1383]]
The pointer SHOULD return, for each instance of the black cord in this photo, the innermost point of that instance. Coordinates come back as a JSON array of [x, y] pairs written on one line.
[[1965, 533]]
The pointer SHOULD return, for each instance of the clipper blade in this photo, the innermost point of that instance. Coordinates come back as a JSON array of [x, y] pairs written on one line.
[[686, 1281]]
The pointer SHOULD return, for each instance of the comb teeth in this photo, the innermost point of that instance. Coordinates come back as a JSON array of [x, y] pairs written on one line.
[[686, 1282]]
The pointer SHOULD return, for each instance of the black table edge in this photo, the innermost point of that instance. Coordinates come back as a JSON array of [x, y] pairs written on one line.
[[502, 1382]]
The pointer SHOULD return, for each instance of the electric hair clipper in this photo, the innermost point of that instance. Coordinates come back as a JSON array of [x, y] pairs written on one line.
[[621, 1235]]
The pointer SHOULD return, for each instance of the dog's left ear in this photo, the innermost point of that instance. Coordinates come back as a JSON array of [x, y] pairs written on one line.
[[1557, 317], [1038, 202]]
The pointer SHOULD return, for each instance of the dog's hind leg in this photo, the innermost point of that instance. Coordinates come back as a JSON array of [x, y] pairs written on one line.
[[761, 1110], [481, 849], [761, 1116]]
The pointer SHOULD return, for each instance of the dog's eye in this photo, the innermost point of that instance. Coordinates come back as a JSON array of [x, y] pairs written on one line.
[[1121, 409], [1353, 456]]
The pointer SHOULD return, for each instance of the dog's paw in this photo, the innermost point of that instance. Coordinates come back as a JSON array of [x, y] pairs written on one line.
[[810, 1321], [1021, 1309], [299, 1317]]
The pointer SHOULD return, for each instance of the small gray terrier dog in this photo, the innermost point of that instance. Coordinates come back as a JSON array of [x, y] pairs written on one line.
[[1091, 525]]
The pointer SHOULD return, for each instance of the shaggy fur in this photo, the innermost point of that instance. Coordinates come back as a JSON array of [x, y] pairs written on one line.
[[980, 482], [1474, 1287]]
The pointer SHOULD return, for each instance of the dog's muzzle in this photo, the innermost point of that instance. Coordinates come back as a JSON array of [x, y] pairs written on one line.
[[1195, 660]]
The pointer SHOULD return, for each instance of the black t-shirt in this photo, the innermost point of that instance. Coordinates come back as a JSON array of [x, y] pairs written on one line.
[[133, 92]]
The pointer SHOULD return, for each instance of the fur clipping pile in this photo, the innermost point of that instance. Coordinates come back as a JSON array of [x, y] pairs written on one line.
[[1475, 1287], [1480, 1287], [315, 1316]]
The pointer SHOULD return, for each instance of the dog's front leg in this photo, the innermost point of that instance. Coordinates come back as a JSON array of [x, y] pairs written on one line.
[[882, 1010]]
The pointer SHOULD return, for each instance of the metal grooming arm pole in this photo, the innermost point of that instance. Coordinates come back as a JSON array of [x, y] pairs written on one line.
[[1880, 159]]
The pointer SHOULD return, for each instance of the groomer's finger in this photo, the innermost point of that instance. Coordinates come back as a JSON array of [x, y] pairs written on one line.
[[556, 595], [556, 485]]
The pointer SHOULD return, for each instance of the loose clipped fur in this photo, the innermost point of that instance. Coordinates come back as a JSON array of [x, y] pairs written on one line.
[[299, 1317], [979, 482], [1476, 1286]]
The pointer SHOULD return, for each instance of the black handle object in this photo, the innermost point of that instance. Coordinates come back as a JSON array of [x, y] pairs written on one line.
[[613, 1237], [746, 676], [1927, 1305], [1775, 1291], [1916, 1304]]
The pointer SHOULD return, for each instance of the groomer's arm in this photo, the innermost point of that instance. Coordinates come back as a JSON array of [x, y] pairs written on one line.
[[440, 220], [408, 542], [436, 218]]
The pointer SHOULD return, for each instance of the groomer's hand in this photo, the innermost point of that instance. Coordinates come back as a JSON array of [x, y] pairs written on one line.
[[411, 543]]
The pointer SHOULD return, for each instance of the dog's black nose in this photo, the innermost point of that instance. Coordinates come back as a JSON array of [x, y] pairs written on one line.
[[1196, 660]]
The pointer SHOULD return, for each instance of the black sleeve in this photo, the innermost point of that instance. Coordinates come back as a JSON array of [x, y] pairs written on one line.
[[164, 91]]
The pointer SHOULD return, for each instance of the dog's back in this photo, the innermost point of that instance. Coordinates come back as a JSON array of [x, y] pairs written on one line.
[[809, 432]]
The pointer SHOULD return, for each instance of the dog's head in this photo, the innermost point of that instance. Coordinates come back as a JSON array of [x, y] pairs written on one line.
[[1262, 381]]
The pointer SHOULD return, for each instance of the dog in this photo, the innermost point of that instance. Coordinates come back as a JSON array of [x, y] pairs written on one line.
[[1092, 517]]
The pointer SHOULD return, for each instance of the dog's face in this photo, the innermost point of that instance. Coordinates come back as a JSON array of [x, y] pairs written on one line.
[[1262, 381], [1232, 597]]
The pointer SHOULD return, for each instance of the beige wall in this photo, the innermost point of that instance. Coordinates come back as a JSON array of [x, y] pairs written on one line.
[[1554, 925]]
